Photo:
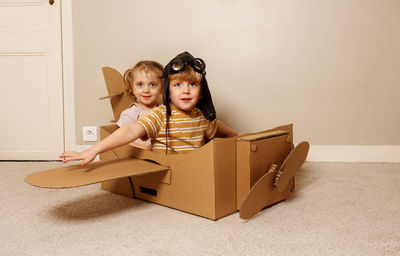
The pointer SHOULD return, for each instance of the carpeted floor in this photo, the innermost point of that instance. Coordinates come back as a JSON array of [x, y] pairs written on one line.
[[337, 209]]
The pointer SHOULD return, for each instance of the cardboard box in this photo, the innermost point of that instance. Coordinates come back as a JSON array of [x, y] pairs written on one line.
[[211, 182], [202, 182], [256, 153]]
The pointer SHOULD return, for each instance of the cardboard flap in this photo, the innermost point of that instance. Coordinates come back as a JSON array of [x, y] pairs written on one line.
[[116, 91], [77, 175], [261, 135]]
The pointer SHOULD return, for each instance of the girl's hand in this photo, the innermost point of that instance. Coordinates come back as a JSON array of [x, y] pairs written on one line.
[[86, 156]]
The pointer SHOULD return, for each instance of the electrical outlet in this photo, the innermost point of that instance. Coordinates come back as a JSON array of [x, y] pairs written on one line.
[[89, 133]]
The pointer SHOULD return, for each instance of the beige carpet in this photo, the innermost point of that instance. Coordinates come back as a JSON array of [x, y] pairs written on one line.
[[337, 209]]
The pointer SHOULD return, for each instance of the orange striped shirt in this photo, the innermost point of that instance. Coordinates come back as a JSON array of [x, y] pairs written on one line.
[[186, 131]]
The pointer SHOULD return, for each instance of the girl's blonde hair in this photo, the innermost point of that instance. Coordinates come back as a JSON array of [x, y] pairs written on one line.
[[146, 66]]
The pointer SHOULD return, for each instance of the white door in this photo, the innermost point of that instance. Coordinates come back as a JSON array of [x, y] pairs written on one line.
[[31, 99]]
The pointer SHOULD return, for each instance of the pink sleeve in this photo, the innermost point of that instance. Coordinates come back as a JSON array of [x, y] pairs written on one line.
[[128, 116]]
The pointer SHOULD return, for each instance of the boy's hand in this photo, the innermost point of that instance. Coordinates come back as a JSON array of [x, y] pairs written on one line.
[[86, 156], [224, 131]]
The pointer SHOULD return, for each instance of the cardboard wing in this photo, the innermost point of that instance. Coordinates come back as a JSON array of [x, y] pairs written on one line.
[[77, 175]]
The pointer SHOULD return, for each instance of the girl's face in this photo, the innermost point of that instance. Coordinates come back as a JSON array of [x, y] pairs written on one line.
[[184, 94], [147, 88]]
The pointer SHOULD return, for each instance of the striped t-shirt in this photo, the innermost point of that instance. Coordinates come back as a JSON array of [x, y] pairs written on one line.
[[186, 131]]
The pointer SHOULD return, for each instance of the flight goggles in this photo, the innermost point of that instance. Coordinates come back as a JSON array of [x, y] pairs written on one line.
[[178, 65]]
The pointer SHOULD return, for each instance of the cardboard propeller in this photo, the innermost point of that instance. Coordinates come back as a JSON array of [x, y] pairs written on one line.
[[77, 175], [273, 182], [291, 165]]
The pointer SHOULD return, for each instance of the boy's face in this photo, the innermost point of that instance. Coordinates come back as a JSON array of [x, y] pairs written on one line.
[[184, 94], [147, 87]]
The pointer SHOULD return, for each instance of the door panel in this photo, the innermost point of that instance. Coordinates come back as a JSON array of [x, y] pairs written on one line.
[[22, 18], [30, 81]]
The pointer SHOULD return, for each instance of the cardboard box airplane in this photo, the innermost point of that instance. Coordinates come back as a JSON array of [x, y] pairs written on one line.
[[245, 173]]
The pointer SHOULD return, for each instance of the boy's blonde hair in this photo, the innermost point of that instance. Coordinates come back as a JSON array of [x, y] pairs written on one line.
[[188, 75], [146, 66]]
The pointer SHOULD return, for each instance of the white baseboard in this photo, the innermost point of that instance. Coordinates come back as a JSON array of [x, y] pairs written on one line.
[[384, 153]]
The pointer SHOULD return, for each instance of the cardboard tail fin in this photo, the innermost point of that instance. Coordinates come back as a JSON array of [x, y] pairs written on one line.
[[116, 86]]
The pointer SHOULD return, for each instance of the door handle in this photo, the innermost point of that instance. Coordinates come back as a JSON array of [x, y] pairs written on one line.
[[51, 2]]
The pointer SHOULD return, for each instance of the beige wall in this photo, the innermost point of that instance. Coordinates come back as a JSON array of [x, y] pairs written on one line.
[[330, 67]]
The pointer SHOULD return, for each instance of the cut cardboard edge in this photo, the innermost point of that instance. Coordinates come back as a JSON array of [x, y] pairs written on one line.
[[111, 95], [115, 82], [261, 135], [77, 175], [292, 164], [262, 190], [259, 194], [116, 86]]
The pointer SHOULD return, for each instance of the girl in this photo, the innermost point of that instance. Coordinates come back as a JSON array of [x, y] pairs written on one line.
[[143, 84], [183, 123]]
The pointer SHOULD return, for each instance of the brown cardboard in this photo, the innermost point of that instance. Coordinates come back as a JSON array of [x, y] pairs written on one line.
[[211, 182], [255, 154], [77, 175], [291, 165], [261, 195], [116, 86], [203, 182], [274, 185]]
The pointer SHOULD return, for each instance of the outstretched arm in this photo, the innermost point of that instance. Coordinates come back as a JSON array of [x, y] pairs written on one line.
[[120, 137], [224, 131]]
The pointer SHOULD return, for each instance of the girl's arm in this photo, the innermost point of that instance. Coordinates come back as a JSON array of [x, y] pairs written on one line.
[[224, 131], [120, 137]]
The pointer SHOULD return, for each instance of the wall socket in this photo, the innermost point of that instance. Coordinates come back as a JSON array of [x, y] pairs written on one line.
[[89, 133]]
